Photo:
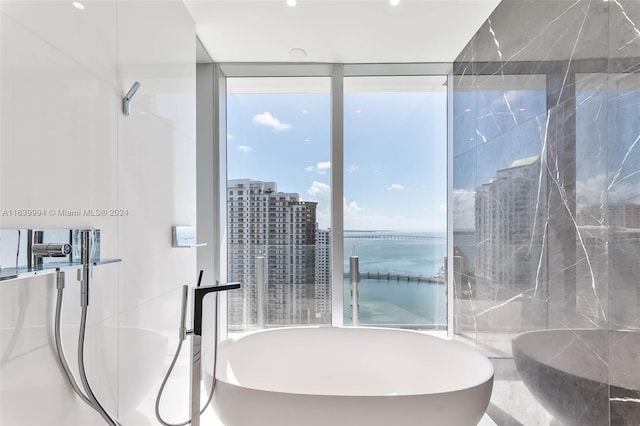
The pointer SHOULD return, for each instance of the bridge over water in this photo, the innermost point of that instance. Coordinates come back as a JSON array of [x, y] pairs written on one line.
[[367, 236], [399, 277]]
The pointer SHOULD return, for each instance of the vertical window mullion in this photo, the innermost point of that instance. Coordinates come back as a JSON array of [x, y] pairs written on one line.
[[337, 194], [450, 259]]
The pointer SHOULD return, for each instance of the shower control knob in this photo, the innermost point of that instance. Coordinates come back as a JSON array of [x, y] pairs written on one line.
[[51, 250]]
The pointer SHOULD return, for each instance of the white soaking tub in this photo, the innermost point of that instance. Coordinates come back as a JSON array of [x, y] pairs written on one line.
[[329, 376]]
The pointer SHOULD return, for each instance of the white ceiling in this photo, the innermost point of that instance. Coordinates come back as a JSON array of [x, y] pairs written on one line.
[[342, 31]]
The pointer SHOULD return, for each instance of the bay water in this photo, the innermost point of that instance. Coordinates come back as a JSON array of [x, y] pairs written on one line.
[[394, 301]]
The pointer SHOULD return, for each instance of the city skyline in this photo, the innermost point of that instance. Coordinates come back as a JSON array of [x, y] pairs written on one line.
[[273, 239], [394, 153]]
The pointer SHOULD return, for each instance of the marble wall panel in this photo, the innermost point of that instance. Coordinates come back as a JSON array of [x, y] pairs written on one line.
[[585, 240]]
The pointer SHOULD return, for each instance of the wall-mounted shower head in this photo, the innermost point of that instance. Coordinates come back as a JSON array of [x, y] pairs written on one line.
[[126, 101]]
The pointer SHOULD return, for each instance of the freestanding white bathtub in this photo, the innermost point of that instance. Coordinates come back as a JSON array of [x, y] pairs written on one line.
[[329, 376]]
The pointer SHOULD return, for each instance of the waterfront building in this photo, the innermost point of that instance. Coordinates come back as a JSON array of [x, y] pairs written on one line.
[[323, 275], [509, 219], [278, 229], [595, 266]]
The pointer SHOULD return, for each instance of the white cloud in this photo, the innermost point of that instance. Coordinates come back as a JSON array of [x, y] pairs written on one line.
[[353, 168], [592, 191], [351, 208], [322, 167], [321, 192], [396, 187], [266, 119], [357, 217], [595, 190], [319, 188], [244, 148], [229, 137], [464, 208], [354, 215], [624, 192]]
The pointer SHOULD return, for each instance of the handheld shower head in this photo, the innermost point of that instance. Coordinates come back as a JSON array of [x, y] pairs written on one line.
[[126, 101]]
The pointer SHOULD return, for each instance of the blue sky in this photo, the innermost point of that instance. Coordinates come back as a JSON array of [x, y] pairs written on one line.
[[394, 153]]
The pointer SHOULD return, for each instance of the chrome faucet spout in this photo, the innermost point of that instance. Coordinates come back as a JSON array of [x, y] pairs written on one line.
[[198, 297]]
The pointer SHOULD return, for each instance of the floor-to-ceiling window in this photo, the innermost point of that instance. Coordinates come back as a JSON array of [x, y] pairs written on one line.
[[395, 156], [281, 138], [278, 201]]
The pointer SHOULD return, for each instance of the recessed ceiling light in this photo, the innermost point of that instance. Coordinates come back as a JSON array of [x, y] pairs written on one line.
[[292, 2], [467, 110], [78, 5], [394, 2], [297, 53], [358, 111], [522, 109], [307, 140], [304, 111]]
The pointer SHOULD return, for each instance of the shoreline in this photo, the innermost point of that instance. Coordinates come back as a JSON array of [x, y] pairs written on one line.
[[435, 279]]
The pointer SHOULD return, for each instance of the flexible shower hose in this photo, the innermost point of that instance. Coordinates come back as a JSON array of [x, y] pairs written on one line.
[[83, 374], [90, 398], [173, 363], [61, 356]]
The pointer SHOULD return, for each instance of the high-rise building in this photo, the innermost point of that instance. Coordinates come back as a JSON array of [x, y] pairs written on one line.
[[510, 218], [279, 230], [624, 215], [621, 215], [591, 269], [323, 275], [606, 257]]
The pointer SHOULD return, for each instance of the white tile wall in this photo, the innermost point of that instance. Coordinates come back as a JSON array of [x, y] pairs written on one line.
[[64, 144]]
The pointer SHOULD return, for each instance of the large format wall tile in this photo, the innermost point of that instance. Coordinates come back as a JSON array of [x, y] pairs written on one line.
[[571, 266], [59, 119], [58, 153], [65, 145], [157, 170]]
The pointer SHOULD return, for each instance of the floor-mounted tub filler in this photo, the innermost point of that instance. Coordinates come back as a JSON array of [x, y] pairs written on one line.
[[349, 376], [199, 293]]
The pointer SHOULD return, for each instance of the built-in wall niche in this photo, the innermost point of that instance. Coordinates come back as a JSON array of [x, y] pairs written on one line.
[[29, 252]]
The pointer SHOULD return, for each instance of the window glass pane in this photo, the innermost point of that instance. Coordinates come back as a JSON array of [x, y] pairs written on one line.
[[278, 147], [501, 208], [395, 156]]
